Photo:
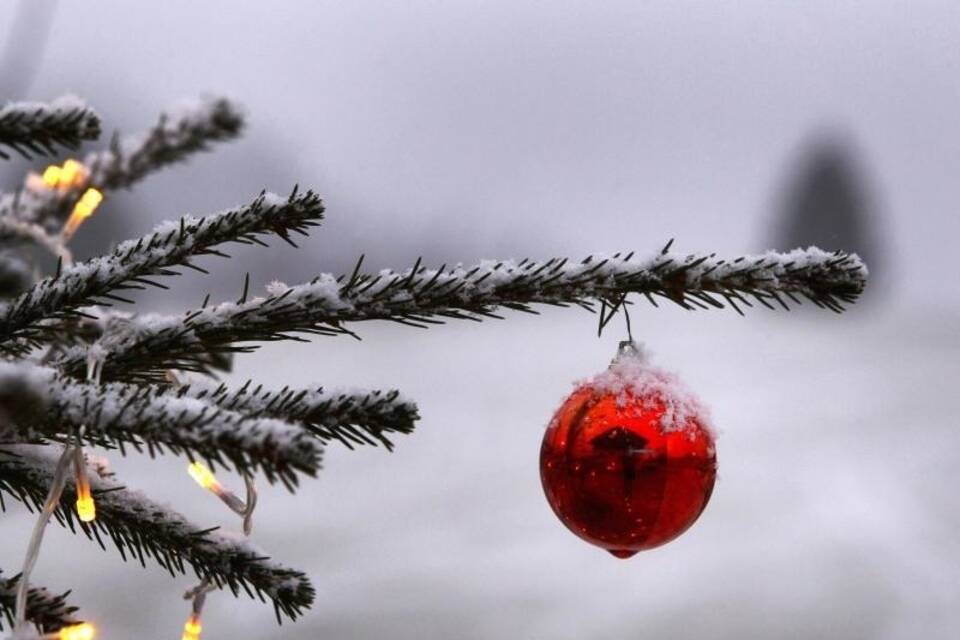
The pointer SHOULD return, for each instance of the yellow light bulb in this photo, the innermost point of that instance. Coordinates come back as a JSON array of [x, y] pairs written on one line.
[[86, 509], [51, 176], [84, 208], [204, 477], [92, 198], [72, 174], [85, 631], [192, 628]]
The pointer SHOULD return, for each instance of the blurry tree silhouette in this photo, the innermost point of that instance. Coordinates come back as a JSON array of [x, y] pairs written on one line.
[[828, 203]]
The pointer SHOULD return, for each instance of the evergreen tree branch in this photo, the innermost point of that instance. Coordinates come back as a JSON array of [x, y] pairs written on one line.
[[14, 230], [105, 322], [141, 529], [129, 266], [354, 417], [183, 131], [47, 611], [35, 128], [421, 297], [145, 417]]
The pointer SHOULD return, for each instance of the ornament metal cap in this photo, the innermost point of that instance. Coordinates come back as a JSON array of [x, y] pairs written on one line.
[[629, 349]]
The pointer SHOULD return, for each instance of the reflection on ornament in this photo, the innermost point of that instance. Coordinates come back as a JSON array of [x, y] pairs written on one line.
[[628, 461]]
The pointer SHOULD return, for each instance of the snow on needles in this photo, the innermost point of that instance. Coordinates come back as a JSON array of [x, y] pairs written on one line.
[[58, 106], [186, 129], [68, 112], [170, 244], [46, 609], [118, 413], [353, 416], [494, 283], [418, 295], [147, 528]]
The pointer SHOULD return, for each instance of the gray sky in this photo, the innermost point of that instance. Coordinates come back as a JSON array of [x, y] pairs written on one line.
[[459, 130]]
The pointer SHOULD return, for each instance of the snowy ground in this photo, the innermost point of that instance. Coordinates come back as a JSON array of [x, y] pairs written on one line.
[[834, 515]]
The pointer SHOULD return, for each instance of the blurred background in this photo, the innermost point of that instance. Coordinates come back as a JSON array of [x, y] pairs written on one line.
[[464, 130]]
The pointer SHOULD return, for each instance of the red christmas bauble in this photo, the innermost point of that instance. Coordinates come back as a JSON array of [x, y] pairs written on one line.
[[628, 461]]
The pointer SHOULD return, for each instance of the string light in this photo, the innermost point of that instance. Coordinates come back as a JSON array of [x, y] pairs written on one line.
[[205, 478], [68, 179], [244, 508], [71, 175], [51, 176], [72, 455], [84, 631], [192, 628], [82, 210], [86, 509]]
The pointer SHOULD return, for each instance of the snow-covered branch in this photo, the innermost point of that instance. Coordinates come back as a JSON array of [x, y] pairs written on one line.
[[352, 416], [141, 528], [420, 297], [146, 417], [46, 610], [180, 132], [18, 231], [129, 266], [36, 128], [184, 130]]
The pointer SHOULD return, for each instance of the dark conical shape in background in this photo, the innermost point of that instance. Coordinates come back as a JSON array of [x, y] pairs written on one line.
[[827, 203]]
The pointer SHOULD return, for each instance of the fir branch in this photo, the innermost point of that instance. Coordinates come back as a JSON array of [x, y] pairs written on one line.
[[14, 230], [184, 130], [144, 417], [35, 128], [106, 323], [420, 297], [354, 417], [141, 529], [47, 611], [129, 266]]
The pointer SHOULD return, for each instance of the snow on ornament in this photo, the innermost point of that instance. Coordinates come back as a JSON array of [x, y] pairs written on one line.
[[628, 461]]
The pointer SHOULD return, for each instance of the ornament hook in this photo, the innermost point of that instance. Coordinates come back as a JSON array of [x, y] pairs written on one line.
[[605, 317], [629, 350]]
